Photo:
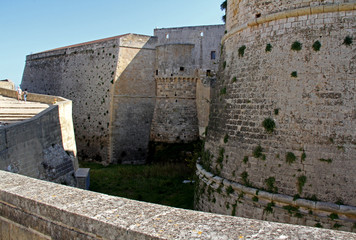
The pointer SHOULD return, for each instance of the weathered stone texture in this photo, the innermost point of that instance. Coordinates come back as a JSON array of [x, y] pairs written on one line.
[[313, 111], [34, 209]]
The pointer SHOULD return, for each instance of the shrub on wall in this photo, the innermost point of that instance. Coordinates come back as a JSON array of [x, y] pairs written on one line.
[[316, 46], [348, 41], [290, 157], [242, 51], [257, 152], [269, 125], [301, 182], [268, 47], [296, 46]]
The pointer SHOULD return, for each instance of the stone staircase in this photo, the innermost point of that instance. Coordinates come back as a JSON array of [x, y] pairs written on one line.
[[12, 111]]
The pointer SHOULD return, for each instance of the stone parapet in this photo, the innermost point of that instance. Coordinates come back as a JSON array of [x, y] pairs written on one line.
[[35, 209]]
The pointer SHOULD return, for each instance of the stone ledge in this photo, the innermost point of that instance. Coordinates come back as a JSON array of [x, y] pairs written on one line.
[[350, 211], [53, 209]]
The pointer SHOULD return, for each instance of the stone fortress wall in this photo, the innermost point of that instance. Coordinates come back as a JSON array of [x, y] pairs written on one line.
[[113, 84], [291, 66], [44, 146]]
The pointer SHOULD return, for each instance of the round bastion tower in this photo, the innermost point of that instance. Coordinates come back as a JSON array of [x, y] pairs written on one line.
[[281, 140]]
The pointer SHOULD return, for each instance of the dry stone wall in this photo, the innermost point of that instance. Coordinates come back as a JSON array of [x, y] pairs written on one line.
[[283, 114]]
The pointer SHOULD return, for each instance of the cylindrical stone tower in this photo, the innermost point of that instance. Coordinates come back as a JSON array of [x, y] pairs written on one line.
[[281, 140]]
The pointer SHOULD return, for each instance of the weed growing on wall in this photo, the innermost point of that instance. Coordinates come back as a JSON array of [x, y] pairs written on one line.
[[226, 138], [223, 91], [318, 225], [294, 74], [303, 157], [276, 111], [301, 182], [348, 41], [269, 208], [270, 184], [245, 160], [268, 47], [257, 152], [333, 216], [269, 125], [255, 198], [224, 64], [296, 46], [229, 190], [329, 160], [244, 177], [221, 156], [316, 46], [242, 50], [337, 226], [234, 79], [290, 157]]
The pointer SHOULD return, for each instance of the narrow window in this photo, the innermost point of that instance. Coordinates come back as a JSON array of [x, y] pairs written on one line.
[[156, 72], [167, 36], [181, 69], [212, 55], [258, 15], [208, 73], [202, 34]]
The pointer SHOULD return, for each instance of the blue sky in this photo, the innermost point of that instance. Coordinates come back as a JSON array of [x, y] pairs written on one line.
[[30, 26]]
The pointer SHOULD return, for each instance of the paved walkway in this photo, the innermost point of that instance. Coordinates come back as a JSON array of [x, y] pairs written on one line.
[[12, 111]]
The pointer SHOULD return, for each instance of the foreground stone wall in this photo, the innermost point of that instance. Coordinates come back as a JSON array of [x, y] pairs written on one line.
[[34, 209], [295, 71], [42, 147]]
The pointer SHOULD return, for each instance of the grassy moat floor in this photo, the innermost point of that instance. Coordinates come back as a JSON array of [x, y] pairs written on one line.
[[160, 183]]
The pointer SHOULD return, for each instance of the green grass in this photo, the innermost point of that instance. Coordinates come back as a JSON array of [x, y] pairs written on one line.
[[159, 183]]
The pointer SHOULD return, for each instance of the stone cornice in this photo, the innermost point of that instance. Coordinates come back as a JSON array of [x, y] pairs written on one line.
[[339, 7]]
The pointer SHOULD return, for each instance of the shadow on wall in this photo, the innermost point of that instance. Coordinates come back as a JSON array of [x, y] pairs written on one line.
[[133, 101]]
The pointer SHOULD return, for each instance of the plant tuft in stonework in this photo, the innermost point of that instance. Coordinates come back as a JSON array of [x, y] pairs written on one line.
[[255, 199], [221, 156], [270, 184], [333, 216], [242, 51], [268, 208], [348, 41], [301, 182], [318, 225], [290, 157], [257, 152], [268, 47], [294, 74], [223, 91], [303, 157], [296, 46], [226, 138], [234, 79], [244, 177], [337, 226], [269, 125], [316, 46], [329, 160], [229, 190], [245, 160], [224, 64], [276, 111]]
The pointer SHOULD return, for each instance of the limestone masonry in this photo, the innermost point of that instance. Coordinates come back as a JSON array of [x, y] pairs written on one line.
[[130, 89], [281, 139]]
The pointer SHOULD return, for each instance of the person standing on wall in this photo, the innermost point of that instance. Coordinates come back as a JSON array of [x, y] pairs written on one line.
[[19, 93], [25, 95]]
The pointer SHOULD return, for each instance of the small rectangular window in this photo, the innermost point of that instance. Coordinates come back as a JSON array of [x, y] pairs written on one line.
[[212, 55], [181, 68], [208, 73], [156, 72]]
